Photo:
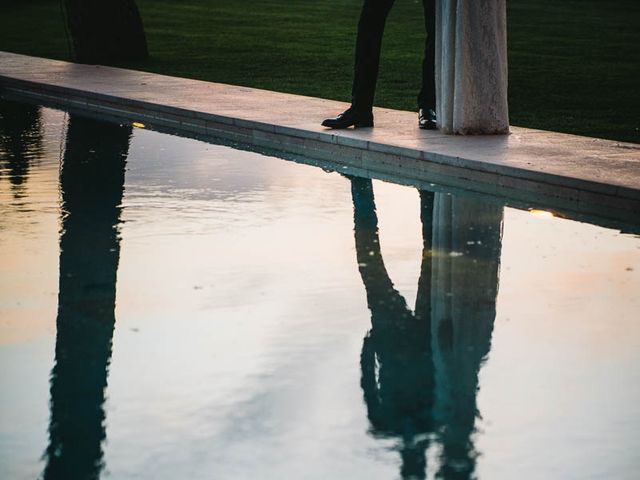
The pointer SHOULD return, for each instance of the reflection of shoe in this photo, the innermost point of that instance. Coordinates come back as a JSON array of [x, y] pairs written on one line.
[[427, 119], [348, 118]]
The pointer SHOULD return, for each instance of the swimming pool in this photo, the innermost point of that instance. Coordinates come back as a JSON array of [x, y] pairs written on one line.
[[172, 308]]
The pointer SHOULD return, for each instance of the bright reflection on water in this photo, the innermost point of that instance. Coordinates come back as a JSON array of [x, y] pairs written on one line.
[[175, 309]]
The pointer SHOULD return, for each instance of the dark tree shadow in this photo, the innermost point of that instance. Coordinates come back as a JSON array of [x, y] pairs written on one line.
[[20, 142], [419, 369], [92, 184]]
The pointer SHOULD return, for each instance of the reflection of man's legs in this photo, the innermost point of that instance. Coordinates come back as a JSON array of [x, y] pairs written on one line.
[[368, 45], [386, 303], [423, 298], [397, 370], [427, 95]]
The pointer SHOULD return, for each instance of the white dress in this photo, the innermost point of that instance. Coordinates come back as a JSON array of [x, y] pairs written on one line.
[[471, 66]]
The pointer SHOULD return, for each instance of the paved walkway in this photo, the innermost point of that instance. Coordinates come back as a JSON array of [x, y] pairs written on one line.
[[584, 175]]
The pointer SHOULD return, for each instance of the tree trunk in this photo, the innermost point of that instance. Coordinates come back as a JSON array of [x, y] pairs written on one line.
[[106, 31]]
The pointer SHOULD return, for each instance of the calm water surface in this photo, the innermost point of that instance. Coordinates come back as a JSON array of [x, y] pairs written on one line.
[[173, 309]]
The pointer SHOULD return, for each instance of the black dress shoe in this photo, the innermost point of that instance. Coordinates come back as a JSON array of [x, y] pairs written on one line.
[[348, 118], [427, 119]]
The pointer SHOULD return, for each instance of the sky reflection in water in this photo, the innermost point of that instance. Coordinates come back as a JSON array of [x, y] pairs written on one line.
[[174, 309]]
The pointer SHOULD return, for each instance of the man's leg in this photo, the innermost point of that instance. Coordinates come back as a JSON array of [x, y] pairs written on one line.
[[368, 44], [427, 96]]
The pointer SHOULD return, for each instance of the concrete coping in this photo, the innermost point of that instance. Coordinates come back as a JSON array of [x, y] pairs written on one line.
[[585, 175]]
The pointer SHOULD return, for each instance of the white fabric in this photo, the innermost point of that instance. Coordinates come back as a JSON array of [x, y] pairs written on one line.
[[471, 66]]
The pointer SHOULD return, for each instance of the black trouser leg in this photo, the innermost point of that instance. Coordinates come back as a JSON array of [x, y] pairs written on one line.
[[368, 44], [427, 95]]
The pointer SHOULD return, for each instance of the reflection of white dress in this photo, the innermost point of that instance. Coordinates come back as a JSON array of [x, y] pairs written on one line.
[[471, 66], [467, 243]]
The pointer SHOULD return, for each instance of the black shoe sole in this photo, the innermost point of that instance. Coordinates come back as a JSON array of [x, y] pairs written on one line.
[[347, 125], [341, 123]]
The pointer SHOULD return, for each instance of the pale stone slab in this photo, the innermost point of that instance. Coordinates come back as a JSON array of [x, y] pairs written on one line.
[[582, 172]]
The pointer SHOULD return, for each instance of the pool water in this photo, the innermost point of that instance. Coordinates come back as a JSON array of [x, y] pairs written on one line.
[[171, 308]]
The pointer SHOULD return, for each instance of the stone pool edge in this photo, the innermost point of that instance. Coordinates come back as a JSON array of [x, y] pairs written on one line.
[[373, 157]]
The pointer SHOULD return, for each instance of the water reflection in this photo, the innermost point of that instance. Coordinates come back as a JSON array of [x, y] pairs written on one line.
[[20, 142], [420, 368], [92, 184]]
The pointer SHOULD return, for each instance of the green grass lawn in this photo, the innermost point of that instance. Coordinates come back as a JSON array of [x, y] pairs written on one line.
[[573, 64]]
